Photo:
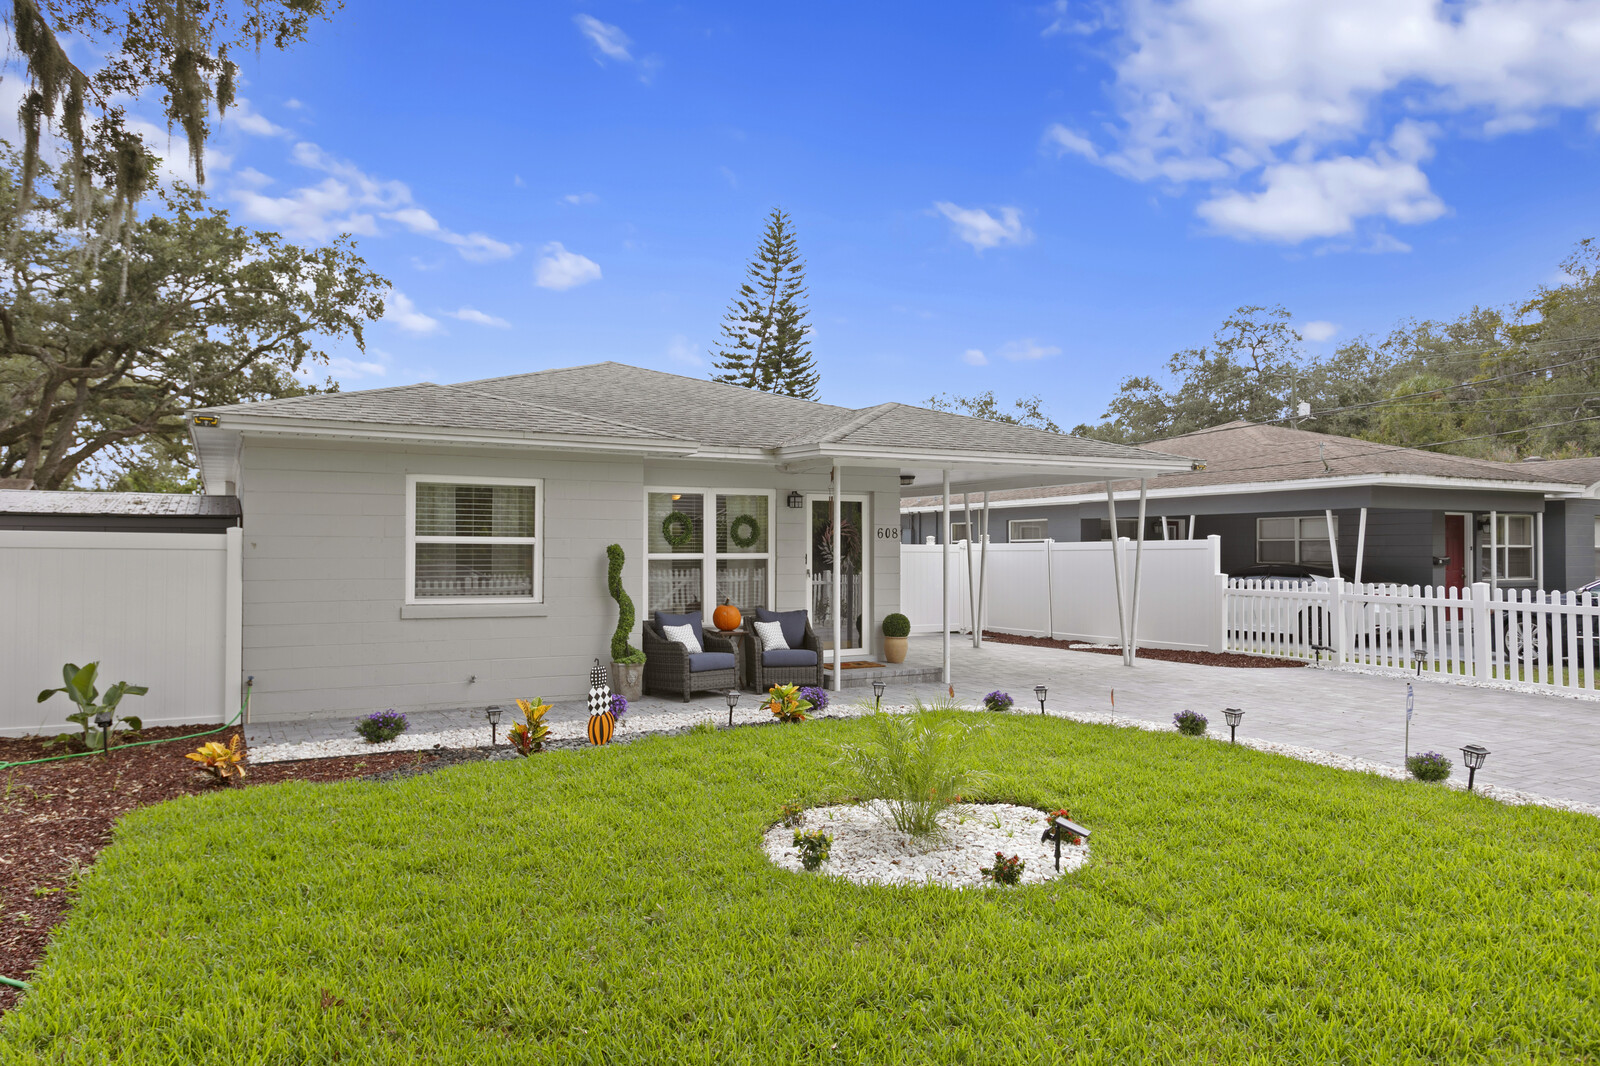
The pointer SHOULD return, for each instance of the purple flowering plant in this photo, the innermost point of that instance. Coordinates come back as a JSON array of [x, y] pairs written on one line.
[[1428, 766], [382, 725], [998, 701], [619, 705], [1190, 723], [817, 697]]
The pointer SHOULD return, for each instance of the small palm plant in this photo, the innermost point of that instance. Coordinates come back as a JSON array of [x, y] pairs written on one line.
[[916, 765]]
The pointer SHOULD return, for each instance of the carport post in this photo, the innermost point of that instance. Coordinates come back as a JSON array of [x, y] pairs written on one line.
[[1132, 652], [944, 582], [838, 565], [1494, 551], [1333, 543], [1361, 544], [1538, 551], [983, 573], [972, 592], [1116, 570]]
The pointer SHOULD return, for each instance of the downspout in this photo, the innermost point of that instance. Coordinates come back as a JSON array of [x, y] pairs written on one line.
[[1132, 652]]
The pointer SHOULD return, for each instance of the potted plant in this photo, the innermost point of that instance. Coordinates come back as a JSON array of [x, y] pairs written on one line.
[[896, 628], [627, 662]]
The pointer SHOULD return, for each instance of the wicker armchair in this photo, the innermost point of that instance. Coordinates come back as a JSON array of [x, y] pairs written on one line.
[[667, 665], [762, 677]]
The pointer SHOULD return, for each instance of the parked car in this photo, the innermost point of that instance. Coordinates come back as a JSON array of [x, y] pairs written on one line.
[[1291, 575], [1523, 636]]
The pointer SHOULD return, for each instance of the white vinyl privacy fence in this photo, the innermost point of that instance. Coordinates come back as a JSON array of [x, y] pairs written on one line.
[[154, 609], [1528, 638], [1069, 592]]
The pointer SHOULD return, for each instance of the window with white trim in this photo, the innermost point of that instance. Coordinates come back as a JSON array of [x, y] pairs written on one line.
[[1021, 529], [473, 539], [958, 532], [1295, 540], [691, 568], [1513, 548]]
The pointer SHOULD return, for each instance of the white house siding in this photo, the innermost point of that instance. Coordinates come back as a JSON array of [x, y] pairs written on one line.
[[324, 573], [324, 576]]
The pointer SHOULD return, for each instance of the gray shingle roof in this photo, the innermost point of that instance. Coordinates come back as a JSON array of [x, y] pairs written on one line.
[[615, 400], [1247, 453], [1584, 471], [33, 501]]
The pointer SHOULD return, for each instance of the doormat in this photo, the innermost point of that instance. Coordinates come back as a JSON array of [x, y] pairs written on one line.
[[859, 664]]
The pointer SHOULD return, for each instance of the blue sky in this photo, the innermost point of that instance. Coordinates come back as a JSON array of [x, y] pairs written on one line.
[[1029, 197]]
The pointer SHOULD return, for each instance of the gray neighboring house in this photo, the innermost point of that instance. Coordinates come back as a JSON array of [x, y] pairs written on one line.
[[1265, 491], [437, 546]]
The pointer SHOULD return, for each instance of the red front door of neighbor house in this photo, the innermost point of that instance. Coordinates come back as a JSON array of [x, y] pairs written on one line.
[[1455, 550]]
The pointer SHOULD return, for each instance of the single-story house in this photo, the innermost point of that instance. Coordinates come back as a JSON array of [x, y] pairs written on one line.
[[1402, 515], [437, 546]]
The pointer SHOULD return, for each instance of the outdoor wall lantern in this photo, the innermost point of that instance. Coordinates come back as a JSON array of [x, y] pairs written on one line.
[[493, 714], [1063, 827], [1232, 714], [796, 501], [732, 696], [877, 693], [1419, 657], [1040, 691], [1473, 755], [103, 720]]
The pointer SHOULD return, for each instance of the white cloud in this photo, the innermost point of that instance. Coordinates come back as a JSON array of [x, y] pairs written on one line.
[[343, 368], [580, 199], [1027, 350], [472, 314], [292, 104], [1318, 331], [681, 350], [609, 40], [1062, 21], [560, 269], [349, 200], [1296, 100], [399, 309], [242, 116], [981, 229], [974, 357]]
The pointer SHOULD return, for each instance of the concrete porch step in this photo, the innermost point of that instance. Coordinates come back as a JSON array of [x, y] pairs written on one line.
[[891, 674]]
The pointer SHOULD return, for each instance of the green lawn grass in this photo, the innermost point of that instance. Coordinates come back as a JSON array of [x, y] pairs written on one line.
[[614, 906]]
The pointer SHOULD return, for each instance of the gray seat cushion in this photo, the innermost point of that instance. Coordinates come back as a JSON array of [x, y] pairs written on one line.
[[692, 620], [710, 660], [793, 623], [789, 657]]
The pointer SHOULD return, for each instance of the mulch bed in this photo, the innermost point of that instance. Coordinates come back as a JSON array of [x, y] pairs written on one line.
[[55, 817], [1166, 655]]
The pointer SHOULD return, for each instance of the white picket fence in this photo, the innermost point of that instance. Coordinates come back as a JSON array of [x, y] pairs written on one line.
[[1538, 640], [1068, 591]]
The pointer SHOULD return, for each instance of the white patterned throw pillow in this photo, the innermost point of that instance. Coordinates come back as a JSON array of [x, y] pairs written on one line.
[[683, 635], [771, 636]]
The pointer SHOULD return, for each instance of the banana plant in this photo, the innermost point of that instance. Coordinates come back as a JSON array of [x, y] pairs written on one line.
[[80, 689]]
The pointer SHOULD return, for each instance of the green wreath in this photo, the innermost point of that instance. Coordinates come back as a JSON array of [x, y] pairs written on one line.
[[678, 539], [744, 521]]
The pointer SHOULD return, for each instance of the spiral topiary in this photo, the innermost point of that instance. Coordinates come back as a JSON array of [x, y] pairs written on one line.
[[621, 650]]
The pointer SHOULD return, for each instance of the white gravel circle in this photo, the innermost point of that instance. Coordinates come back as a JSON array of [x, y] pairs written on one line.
[[868, 849]]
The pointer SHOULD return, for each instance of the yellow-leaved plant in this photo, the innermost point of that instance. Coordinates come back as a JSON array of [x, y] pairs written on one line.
[[221, 760], [786, 703], [528, 736]]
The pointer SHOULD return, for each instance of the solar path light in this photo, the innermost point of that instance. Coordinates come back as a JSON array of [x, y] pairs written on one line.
[[732, 696], [1232, 714], [1419, 657], [1473, 755], [1061, 827], [493, 714], [877, 694], [1040, 692], [103, 720]]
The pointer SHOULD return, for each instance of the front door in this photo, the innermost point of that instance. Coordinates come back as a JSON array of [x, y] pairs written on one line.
[[1455, 550], [852, 558]]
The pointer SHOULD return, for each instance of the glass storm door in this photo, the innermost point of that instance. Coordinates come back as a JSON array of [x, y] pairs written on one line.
[[852, 560]]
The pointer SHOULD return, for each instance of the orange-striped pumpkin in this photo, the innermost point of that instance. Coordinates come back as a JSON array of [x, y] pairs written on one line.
[[601, 727]]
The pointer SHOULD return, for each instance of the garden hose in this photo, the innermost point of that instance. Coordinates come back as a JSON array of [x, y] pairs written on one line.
[[249, 682], [12, 982]]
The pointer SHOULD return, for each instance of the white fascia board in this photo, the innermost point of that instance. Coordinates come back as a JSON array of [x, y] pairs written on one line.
[[497, 438], [1405, 481], [877, 456]]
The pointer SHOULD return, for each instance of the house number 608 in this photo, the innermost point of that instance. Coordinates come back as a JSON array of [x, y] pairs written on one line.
[[888, 533]]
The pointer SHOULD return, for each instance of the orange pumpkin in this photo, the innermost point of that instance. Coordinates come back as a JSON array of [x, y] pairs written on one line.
[[601, 727], [726, 618]]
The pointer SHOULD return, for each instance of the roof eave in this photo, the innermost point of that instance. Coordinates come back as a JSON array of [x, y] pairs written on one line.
[[499, 436], [877, 455]]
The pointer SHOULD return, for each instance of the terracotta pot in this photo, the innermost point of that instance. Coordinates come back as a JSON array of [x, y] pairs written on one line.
[[894, 649], [627, 680]]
